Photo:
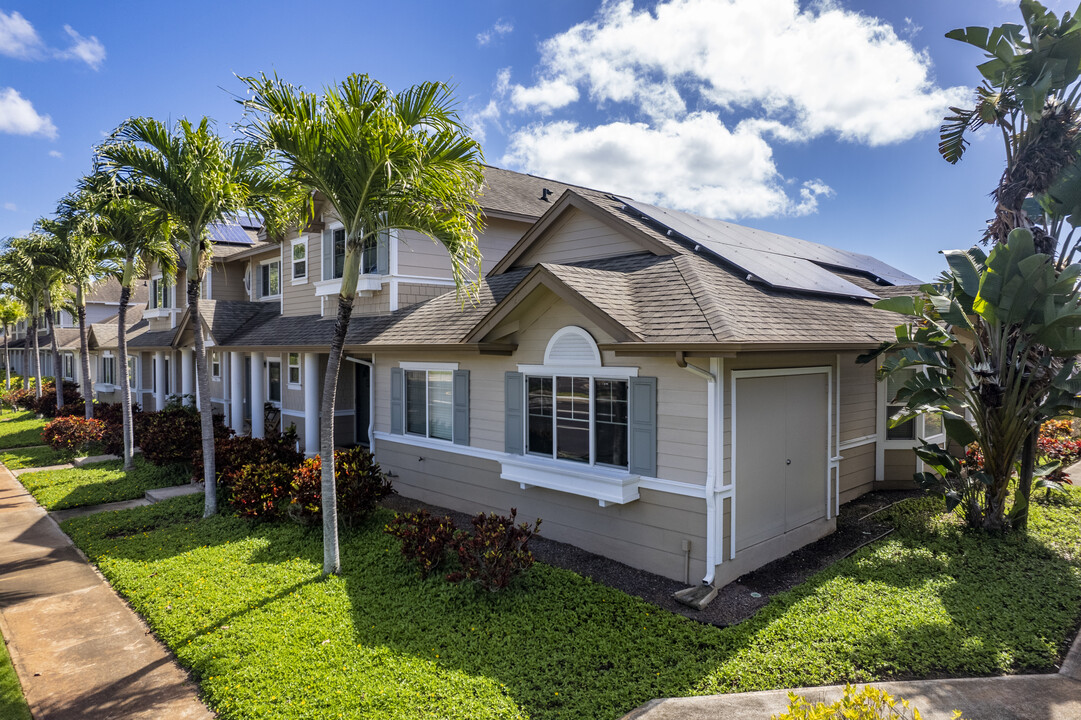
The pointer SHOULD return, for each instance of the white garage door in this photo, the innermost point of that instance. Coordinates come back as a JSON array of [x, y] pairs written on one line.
[[780, 454]]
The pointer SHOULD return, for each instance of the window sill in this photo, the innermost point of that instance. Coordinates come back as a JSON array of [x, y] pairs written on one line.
[[158, 312], [105, 387], [268, 298], [605, 485], [367, 282], [299, 281]]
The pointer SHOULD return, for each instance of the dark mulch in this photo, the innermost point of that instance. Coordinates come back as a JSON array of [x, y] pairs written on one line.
[[856, 526]]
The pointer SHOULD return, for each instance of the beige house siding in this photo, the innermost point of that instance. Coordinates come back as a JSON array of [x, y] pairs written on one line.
[[414, 293], [420, 256], [577, 237], [300, 299], [900, 466], [857, 472], [227, 281], [859, 398]]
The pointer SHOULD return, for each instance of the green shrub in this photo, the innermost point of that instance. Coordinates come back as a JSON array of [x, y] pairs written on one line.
[[871, 703], [73, 433], [495, 552], [426, 539], [174, 435], [234, 452]]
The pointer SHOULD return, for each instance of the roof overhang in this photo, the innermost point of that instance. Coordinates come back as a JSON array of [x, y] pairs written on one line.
[[730, 349]]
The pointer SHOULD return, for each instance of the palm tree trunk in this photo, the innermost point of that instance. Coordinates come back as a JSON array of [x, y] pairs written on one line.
[[332, 563], [1024, 479], [122, 351], [37, 354], [7, 364], [84, 356], [58, 370], [206, 415]]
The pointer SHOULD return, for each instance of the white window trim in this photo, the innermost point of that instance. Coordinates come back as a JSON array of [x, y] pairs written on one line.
[[215, 374], [426, 368], [902, 443], [302, 280], [104, 386], [300, 371], [602, 373], [133, 376], [259, 280]]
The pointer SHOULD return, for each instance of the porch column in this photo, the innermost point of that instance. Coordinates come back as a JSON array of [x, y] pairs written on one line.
[[236, 390], [311, 404], [257, 381], [187, 374], [159, 379]]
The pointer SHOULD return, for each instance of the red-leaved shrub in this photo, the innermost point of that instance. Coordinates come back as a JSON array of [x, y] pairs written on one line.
[[174, 435], [260, 491], [426, 539], [73, 433], [495, 552], [359, 483]]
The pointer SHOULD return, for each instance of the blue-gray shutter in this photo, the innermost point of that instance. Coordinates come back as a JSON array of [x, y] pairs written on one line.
[[514, 413], [642, 426], [382, 253], [397, 401], [328, 254], [461, 407]]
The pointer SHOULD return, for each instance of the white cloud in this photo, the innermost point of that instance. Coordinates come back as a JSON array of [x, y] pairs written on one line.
[[10, 206], [56, 154], [695, 163], [502, 27], [754, 72], [88, 49], [18, 116], [18, 39]]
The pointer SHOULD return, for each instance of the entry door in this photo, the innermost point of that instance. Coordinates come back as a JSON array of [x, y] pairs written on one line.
[[781, 455], [362, 402]]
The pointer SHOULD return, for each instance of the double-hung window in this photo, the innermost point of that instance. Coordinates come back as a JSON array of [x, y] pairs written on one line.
[[927, 426], [578, 418], [370, 261], [215, 365], [294, 369], [161, 295], [69, 366], [334, 265], [429, 403], [131, 372], [300, 259], [270, 279], [108, 370]]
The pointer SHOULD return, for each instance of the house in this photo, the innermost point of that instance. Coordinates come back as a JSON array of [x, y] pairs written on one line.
[[674, 392]]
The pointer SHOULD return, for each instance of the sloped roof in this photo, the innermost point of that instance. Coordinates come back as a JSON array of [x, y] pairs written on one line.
[[108, 291], [514, 193]]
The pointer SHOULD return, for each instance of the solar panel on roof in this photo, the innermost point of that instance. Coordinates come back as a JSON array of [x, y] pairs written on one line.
[[230, 233], [776, 260]]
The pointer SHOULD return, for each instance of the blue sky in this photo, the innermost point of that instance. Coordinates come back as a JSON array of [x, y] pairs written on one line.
[[817, 120]]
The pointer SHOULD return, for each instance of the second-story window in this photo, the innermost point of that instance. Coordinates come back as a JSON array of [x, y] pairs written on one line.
[[161, 293], [372, 261], [270, 279], [334, 255], [300, 259], [215, 365]]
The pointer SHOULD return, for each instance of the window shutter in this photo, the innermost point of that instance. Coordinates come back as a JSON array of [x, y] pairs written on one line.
[[642, 459], [514, 413], [382, 253], [397, 401], [328, 254], [461, 407]]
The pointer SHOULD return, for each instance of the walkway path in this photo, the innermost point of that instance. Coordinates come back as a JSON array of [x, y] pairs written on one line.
[[79, 650]]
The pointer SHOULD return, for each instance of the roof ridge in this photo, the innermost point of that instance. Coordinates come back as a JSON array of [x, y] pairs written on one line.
[[714, 315]]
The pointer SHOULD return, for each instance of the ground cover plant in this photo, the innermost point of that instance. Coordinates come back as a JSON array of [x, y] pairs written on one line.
[[244, 604], [100, 483], [12, 703], [21, 429]]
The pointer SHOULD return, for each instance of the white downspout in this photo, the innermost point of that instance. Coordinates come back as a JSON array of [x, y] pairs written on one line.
[[711, 464]]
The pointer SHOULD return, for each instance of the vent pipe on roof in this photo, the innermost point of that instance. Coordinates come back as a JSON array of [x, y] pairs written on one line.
[[545, 192]]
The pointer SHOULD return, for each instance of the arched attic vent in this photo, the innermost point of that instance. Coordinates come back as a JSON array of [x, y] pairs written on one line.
[[572, 346]]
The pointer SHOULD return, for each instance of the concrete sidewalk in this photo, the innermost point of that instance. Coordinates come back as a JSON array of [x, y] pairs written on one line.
[[78, 648]]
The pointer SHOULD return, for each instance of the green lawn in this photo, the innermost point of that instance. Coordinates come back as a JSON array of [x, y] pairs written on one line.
[[20, 429], [12, 703], [100, 483], [243, 605], [32, 457]]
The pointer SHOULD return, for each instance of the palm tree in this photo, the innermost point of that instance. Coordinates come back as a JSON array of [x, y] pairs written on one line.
[[29, 282], [80, 256], [11, 312], [196, 178], [383, 161], [137, 235], [44, 249]]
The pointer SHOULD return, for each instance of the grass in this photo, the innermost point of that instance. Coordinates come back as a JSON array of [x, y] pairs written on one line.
[[12, 703], [32, 457], [243, 606], [20, 429], [100, 483]]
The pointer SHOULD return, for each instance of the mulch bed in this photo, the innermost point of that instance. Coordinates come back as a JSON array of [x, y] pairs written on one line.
[[857, 524]]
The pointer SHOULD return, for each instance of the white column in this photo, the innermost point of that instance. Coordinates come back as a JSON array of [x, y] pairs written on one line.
[[311, 404], [236, 390], [257, 381], [159, 379], [187, 373]]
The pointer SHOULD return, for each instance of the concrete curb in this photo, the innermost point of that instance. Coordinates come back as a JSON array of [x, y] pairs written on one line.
[[1071, 665]]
